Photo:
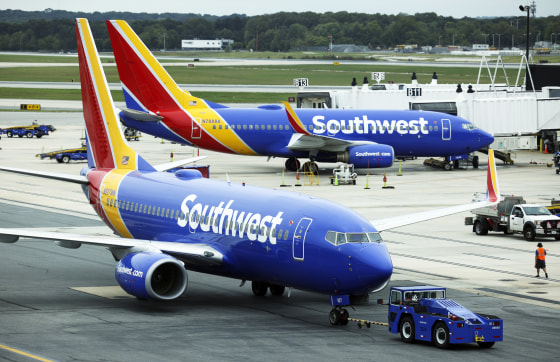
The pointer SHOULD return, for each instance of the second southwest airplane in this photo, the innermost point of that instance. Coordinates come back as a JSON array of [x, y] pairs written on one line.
[[366, 138], [168, 223]]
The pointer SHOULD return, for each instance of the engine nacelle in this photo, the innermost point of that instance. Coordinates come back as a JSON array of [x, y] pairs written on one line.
[[152, 276], [368, 156]]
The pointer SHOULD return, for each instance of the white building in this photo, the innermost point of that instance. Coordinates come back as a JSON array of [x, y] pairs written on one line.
[[200, 44]]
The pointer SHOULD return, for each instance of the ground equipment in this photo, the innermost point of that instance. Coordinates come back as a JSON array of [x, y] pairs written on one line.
[[34, 129]]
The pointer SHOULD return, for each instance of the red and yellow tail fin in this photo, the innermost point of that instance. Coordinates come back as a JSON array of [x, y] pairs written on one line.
[[146, 84], [107, 146]]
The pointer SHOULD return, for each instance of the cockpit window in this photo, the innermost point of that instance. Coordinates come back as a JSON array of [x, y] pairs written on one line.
[[468, 126], [357, 238], [340, 238], [337, 238]]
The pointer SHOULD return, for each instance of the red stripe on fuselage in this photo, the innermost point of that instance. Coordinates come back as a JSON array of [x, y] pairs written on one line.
[[180, 123]]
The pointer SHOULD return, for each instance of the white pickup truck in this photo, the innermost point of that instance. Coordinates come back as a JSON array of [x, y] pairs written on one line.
[[512, 215]]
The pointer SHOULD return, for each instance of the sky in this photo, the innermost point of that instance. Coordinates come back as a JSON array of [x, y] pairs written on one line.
[[454, 8]]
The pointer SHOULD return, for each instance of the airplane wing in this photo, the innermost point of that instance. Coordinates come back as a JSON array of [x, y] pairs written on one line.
[[199, 253], [492, 198]]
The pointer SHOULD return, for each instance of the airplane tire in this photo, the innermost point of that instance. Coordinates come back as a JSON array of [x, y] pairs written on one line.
[[259, 288], [276, 289], [344, 317], [334, 317], [292, 164]]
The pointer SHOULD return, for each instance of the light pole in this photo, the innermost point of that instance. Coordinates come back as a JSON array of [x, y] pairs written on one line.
[[454, 39], [440, 40], [526, 8]]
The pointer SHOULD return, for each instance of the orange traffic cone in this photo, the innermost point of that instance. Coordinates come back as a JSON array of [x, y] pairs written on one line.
[[546, 148]]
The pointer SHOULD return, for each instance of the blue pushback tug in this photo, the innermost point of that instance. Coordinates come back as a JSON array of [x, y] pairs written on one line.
[[424, 313]]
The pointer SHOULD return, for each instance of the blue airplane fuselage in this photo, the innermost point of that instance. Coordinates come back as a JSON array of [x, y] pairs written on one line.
[[266, 131], [265, 235]]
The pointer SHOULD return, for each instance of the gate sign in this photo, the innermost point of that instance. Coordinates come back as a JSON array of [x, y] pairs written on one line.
[[414, 92], [378, 76], [301, 82]]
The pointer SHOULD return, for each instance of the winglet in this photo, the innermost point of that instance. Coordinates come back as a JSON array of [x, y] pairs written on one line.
[[493, 189], [295, 122]]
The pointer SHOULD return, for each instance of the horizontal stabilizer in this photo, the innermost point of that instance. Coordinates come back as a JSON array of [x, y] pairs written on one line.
[[141, 116], [169, 165], [51, 175]]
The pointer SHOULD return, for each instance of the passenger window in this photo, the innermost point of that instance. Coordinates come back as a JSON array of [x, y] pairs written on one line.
[[286, 235], [250, 126]]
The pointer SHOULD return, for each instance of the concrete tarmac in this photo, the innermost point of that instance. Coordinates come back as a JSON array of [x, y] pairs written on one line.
[[64, 305]]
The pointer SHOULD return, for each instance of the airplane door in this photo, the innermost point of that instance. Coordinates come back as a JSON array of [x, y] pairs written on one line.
[[196, 130], [446, 129], [299, 238]]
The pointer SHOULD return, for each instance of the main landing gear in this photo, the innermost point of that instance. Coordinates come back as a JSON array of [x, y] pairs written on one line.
[[261, 288], [293, 164]]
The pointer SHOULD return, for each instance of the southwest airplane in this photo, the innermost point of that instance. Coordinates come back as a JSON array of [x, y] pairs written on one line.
[[168, 223], [367, 138]]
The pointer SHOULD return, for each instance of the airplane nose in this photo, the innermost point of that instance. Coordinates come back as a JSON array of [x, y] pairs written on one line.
[[374, 266], [485, 138]]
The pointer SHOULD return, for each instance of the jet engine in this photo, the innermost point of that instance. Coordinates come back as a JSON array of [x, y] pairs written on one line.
[[362, 156], [152, 276]]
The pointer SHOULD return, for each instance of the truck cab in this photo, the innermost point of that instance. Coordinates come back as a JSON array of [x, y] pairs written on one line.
[[533, 220], [424, 313]]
